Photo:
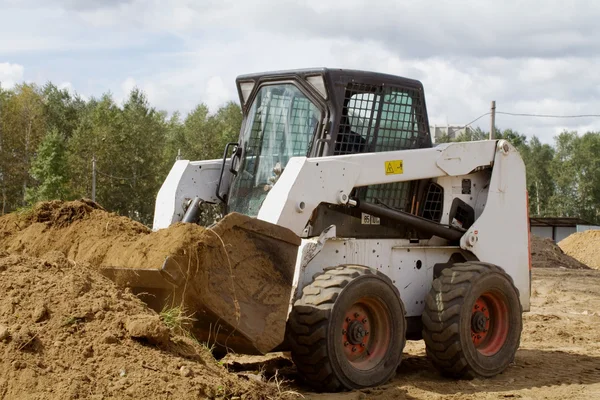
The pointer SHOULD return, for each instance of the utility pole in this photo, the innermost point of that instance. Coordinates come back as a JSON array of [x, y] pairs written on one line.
[[493, 119], [537, 193], [94, 178]]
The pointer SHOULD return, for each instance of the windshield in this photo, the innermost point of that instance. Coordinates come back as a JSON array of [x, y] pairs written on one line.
[[280, 124]]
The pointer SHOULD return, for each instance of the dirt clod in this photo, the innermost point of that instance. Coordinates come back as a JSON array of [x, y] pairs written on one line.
[[40, 313], [109, 338], [148, 328], [4, 333], [185, 372]]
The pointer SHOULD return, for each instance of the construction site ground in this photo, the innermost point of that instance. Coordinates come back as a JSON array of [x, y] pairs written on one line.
[[68, 332], [559, 357]]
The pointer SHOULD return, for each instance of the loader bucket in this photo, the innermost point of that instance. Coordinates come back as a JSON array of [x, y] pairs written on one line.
[[236, 279]]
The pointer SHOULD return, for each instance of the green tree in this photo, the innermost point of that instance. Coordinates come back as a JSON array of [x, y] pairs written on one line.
[[563, 171], [538, 159], [62, 110], [202, 136], [128, 144], [50, 170], [586, 162], [23, 127]]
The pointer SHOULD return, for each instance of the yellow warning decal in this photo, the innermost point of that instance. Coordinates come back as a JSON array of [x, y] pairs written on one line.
[[393, 167]]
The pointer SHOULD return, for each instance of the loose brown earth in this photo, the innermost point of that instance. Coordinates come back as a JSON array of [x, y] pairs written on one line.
[[68, 332], [224, 270], [546, 254]]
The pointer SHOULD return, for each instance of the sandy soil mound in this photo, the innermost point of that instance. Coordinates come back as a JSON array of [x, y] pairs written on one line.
[[223, 273], [546, 254], [68, 332], [583, 246], [84, 232]]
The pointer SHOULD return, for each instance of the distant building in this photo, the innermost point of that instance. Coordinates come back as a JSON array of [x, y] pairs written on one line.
[[452, 131], [558, 228]]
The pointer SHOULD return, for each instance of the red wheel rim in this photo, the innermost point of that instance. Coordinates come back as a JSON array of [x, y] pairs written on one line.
[[366, 333], [489, 323]]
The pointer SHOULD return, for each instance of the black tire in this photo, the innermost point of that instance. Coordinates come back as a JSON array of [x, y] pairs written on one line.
[[472, 321], [326, 336]]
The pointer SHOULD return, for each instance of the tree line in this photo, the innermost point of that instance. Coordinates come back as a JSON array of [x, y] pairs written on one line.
[[48, 138]]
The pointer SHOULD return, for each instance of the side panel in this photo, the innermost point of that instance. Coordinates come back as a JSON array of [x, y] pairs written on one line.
[[186, 180], [410, 267], [500, 235]]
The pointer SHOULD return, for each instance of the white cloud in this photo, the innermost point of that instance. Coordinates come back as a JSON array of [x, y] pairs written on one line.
[[126, 87], [10, 74], [216, 93], [531, 57]]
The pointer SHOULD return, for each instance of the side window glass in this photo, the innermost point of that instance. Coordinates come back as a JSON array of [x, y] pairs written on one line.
[[358, 121], [398, 128]]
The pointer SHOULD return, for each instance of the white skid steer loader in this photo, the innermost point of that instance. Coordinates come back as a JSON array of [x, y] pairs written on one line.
[[372, 234]]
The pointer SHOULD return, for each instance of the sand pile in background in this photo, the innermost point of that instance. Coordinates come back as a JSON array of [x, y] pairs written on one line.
[[583, 246], [546, 254]]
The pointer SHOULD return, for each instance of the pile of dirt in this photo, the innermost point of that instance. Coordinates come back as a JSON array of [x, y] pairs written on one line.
[[66, 331], [546, 254], [583, 246], [222, 273]]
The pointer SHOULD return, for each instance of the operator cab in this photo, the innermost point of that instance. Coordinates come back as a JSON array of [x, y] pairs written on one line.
[[326, 112]]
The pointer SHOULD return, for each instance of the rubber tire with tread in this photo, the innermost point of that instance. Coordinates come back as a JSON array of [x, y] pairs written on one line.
[[447, 320], [318, 352]]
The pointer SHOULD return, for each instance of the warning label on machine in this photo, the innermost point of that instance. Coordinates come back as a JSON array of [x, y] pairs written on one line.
[[393, 167]]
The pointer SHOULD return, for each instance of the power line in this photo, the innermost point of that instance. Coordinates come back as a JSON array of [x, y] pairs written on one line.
[[475, 120], [122, 178], [532, 115], [548, 115]]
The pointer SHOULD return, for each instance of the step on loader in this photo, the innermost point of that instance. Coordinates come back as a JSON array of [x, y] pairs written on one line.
[[347, 232]]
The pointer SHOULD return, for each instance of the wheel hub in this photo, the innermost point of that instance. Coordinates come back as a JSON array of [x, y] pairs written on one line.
[[356, 332], [365, 333], [478, 322], [489, 323]]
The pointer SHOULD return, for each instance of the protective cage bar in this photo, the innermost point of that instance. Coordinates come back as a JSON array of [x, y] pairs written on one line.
[[378, 118]]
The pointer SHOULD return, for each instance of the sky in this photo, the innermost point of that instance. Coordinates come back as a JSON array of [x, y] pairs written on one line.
[[536, 57]]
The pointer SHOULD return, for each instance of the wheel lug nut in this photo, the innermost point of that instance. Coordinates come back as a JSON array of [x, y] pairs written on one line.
[[348, 319], [483, 309], [366, 333], [346, 343], [356, 315], [362, 345], [343, 331], [364, 321], [354, 349], [476, 306]]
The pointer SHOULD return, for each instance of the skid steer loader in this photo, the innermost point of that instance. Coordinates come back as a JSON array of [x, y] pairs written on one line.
[[358, 233]]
